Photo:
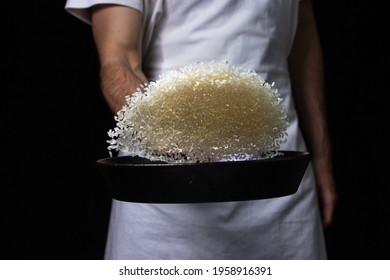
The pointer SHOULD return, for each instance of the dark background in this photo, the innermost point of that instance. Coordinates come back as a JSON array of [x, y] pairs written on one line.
[[54, 203]]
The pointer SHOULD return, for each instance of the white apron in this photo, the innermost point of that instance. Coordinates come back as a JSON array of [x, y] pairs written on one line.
[[255, 34]]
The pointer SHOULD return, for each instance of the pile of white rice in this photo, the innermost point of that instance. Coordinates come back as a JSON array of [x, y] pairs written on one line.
[[204, 112]]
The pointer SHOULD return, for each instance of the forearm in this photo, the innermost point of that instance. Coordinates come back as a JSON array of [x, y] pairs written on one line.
[[117, 35], [306, 70], [117, 80]]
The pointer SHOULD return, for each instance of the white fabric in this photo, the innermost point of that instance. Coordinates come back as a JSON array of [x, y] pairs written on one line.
[[255, 34], [80, 8]]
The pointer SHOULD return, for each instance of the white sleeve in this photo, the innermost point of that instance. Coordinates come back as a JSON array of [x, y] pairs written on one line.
[[81, 8]]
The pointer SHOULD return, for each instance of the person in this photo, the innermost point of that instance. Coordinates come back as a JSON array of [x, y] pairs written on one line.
[[137, 40]]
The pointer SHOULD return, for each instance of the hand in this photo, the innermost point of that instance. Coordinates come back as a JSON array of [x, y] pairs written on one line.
[[326, 189]]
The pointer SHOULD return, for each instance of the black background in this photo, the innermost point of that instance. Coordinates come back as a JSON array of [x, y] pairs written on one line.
[[54, 203]]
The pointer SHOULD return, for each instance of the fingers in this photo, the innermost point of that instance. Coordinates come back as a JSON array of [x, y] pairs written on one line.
[[328, 203]]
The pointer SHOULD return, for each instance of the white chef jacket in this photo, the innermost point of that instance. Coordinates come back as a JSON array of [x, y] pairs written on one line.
[[254, 34]]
